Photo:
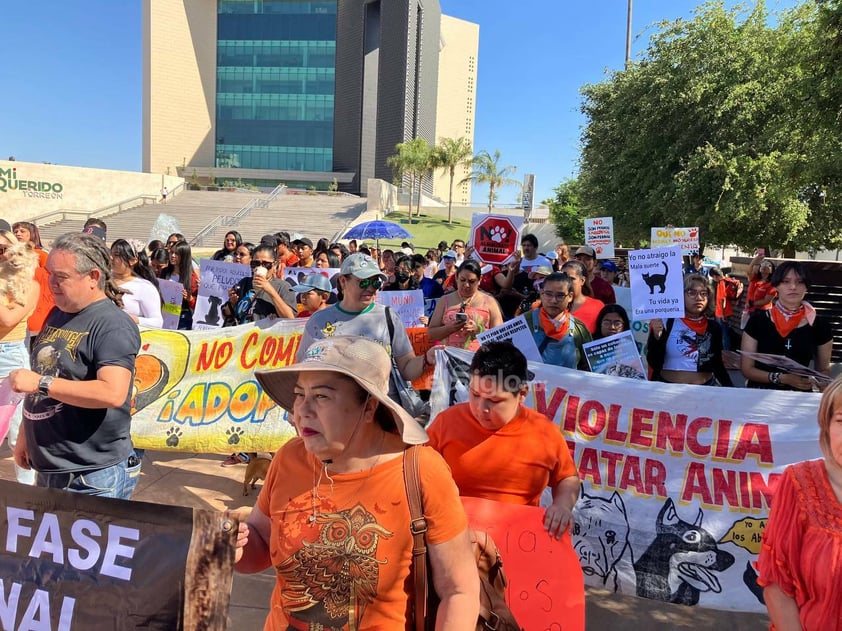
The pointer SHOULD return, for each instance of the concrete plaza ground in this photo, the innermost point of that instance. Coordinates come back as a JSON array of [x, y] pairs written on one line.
[[198, 480]]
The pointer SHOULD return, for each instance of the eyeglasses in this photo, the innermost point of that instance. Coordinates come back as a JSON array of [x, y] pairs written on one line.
[[266, 264], [549, 295], [374, 283], [612, 324], [692, 293]]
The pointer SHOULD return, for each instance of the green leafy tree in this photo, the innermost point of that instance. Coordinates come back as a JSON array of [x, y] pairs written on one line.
[[412, 160], [713, 127], [566, 213], [487, 170], [449, 154]]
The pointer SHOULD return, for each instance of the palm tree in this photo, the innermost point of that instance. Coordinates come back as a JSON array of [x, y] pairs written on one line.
[[449, 154], [487, 170], [412, 158]]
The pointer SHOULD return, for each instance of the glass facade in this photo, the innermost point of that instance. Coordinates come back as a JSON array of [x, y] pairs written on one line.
[[275, 83]]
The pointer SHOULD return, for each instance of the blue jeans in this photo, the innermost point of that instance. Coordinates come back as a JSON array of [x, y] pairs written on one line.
[[117, 481], [14, 355]]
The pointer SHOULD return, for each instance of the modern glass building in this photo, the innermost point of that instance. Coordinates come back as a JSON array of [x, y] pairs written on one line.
[[270, 91]]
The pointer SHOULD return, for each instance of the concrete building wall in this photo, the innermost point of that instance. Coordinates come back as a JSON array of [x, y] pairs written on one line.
[[29, 190], [456, 100], [179, 83]]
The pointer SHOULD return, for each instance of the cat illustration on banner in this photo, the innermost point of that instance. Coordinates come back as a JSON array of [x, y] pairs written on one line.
[[657, 280]]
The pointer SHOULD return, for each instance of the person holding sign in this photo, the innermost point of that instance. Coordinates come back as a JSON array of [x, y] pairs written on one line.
[[460, 315], [182, 271], [500, 450], [558, 335], [689, 349], [333, 517], [142, 300], [799, 565], [790, 328]]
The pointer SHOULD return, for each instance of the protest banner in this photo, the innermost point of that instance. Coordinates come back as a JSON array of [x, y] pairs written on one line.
[[686, 238], [172, 299], [78, 562], [541, 594], [195, 390], [659, 461], [657, 286], [430, 306], [599, 234], [408, 305], [495, 238], [215, 279], [615, 355], [517, 332]]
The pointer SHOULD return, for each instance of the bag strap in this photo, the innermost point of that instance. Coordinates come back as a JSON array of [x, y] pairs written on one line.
[[391, 326], [418, 528]]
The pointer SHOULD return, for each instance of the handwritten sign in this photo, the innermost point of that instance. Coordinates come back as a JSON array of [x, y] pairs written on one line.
[[517, 332], [657, 287], [215, 279], [171, 307], [409, 305], [599, 234], [686, 238], [546, 586], [615, 355]]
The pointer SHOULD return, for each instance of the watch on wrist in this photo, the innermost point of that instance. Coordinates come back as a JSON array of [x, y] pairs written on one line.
[[44, 384], [775, 378]]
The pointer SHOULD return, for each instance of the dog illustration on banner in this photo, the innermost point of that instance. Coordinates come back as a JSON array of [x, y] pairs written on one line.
[[681, 562], [601, 540]]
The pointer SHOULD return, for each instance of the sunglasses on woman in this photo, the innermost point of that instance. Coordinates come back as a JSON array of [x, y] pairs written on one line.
[[266, 264], [374, 283]]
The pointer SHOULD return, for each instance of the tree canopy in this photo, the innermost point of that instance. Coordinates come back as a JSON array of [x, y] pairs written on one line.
[[726, 122]]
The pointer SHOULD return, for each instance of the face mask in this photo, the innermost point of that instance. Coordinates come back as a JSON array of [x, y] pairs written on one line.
[[401, 277]]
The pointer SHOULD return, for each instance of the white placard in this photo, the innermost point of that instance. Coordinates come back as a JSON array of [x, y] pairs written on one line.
[[599, 234], [215, 279], [517, 332], [172, 297], [667, 236], [409, 305], [657, 286], [615, 355]]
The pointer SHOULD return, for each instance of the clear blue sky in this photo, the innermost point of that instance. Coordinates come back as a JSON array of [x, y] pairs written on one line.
[[71, 78]]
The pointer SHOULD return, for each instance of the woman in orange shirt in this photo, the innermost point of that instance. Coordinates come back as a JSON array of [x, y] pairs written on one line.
[[800, 565], [500, 450]]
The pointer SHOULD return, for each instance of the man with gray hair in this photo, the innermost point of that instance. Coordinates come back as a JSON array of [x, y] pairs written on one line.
[[76, 416]]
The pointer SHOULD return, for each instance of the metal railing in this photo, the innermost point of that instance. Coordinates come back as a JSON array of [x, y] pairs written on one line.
[[234, 220]]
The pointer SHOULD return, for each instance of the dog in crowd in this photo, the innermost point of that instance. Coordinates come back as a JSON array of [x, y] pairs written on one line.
[[17, 271], [256, 469], [681, 562]]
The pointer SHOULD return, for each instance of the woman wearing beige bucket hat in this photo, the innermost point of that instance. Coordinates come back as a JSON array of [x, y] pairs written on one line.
[[333, 517]]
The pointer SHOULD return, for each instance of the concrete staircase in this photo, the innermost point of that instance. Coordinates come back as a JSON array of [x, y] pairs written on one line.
[[313, 216]]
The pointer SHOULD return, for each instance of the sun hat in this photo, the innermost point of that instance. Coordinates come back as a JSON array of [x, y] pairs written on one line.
[[313, 282], [609, 265], [587, 251], [543, 270], [362, 266], [359, 358]]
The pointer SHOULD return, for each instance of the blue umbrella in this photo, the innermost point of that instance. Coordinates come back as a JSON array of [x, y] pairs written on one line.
[[377, 229]]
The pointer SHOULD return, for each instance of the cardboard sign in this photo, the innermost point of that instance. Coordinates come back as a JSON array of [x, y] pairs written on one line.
[[599, 234], [686, 238], [495, 238], [172, 299], [215, 279], [76, 562], [409, 305], [615, 355], [517, 332], [657, 285], [546, 587]]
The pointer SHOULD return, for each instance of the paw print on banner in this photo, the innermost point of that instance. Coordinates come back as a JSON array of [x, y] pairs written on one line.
[[234, 435], [498, 234], [173, 435]]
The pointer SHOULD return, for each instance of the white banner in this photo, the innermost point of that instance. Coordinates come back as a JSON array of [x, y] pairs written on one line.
[[686, 238], [615, 355], [517, 332], [172, 299], [657, 285], [599, 234], [677, 479], [409, 305]]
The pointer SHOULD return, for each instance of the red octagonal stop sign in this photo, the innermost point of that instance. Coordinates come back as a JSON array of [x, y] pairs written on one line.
[[495, 238]]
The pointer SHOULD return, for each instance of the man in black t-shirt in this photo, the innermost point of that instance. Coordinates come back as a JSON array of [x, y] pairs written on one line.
[[76, 417]]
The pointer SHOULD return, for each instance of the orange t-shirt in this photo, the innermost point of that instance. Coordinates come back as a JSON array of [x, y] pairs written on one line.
[[514, 464], [802, 545], [354, 558], [45, 301]]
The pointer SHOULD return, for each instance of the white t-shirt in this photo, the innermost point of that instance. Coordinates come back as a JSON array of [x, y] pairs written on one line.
[[144, 302], [529, 265]]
